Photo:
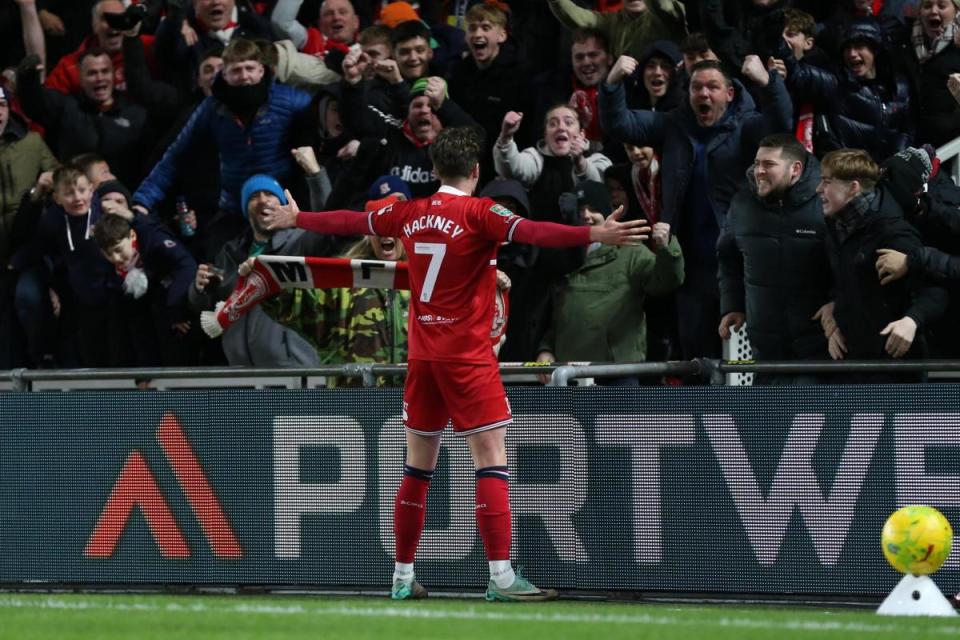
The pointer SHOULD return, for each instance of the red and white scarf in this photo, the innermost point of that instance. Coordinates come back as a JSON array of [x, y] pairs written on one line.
[[223, 35], [646, 186], [273, 274], [134, 262]]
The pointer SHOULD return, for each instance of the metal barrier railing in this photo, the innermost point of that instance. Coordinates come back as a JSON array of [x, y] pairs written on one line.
[[200, 377], [561, 374]]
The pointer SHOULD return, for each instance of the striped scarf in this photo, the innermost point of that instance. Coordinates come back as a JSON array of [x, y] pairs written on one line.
[[923, 51], [272, 274]]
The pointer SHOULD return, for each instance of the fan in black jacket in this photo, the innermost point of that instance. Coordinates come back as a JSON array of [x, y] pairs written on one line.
[[875, 321], [773, 267]]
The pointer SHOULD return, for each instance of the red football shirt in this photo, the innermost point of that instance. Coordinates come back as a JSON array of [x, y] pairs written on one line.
[[451, 240]]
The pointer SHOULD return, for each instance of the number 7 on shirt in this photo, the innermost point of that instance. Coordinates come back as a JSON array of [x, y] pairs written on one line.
[[436, 251]]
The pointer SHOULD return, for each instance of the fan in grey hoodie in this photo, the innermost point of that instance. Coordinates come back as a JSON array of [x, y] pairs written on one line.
[[260, 339]]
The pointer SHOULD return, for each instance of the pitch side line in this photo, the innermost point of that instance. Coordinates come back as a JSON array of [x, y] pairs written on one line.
[[471, 613]]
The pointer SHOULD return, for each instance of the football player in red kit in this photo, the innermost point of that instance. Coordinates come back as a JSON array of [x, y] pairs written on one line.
[[451, 239]]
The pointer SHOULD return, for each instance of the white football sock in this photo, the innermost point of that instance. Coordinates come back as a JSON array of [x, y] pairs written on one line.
[[403, 572], [501, 572]]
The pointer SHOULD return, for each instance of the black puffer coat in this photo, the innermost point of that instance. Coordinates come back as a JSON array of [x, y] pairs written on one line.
[[774, 267], [873, 115], [863, 306]]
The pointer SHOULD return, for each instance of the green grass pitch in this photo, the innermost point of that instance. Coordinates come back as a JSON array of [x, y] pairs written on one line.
[[89, 616]]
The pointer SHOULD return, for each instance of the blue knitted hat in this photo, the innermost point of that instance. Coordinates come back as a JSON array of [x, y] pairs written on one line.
[[385, 185], [256, 183]]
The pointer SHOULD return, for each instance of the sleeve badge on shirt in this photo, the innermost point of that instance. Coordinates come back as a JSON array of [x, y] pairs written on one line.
[[501, 210], [169, 244]]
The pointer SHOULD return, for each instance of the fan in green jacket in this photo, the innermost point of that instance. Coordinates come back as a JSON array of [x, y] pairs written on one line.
[[23, 157], [598, 309]]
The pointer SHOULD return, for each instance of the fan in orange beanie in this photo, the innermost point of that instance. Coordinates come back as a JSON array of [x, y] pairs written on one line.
[[397, 12]]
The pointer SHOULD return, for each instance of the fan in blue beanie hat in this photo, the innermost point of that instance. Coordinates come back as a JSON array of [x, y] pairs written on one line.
[[257, 183]]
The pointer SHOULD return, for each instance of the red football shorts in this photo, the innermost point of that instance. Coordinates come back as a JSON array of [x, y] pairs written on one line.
[[471, 395]]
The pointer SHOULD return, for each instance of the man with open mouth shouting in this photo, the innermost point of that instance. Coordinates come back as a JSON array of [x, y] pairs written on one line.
[[492, 80], [404, 152], [65, 76], [703, 144], [934, 37], [95, 120]]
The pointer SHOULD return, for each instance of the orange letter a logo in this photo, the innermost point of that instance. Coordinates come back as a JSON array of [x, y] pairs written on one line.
[[136, 486]]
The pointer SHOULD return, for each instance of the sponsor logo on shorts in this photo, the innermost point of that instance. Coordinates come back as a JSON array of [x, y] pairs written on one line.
[[429, 318]]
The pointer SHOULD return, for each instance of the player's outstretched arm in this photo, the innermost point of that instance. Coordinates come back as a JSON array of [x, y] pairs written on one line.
[[612, 231], [341, 222], [557, 236]]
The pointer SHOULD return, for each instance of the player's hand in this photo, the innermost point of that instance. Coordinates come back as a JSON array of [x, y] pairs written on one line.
[[617, 233], [754, 70], [660, 235], [510, 126], [388, 70], [732, 321], [623, 68], [283, 216], [827, 322], [891, 265], [836, 345], [548, 358], [900, 335]]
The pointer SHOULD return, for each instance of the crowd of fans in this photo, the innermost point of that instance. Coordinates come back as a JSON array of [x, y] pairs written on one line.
[[782, 152]]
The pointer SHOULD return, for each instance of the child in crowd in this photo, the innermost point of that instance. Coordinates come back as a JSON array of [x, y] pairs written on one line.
[[75, 277], [149, 317]]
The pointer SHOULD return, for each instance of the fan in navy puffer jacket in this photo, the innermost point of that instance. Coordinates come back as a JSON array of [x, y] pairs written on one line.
[[257, 143]]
